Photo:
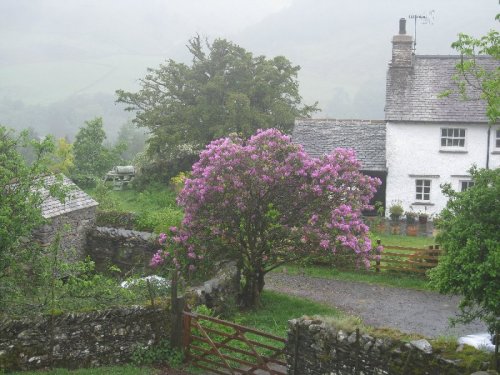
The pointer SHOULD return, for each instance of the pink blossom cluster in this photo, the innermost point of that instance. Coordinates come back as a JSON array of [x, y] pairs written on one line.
[[177, 253], [266, 199]]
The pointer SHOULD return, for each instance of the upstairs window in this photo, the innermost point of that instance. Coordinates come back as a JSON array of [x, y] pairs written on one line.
[[423, 190], [464, 185], [453, 137], [497, 138]]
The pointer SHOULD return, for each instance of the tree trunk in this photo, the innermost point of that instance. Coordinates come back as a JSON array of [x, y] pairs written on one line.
[[254, 284]]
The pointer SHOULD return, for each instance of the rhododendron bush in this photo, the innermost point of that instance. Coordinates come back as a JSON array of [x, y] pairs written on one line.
[[265, 201]]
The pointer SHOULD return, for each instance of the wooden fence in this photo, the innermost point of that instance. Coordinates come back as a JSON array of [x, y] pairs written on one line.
[[406, 259]]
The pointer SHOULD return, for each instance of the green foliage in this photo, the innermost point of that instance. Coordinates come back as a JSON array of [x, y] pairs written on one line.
[[154, 209], [158, 221], [396, 210], [225, 90], [159, 353], [102, 194], [134, 140], [471, 73], [92, 158], [20, 201], [471, 239], [62, 159], [115, 219]]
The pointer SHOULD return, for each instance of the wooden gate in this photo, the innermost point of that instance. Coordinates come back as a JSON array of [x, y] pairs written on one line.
[[223, 347]]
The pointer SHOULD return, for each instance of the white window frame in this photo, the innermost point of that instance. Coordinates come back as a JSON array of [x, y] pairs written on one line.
[[453, 136], [422, 193], [469, 183]]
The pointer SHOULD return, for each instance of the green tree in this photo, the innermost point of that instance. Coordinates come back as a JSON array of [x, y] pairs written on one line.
[[133, 138], [469, 234], [225, 90], [62, 157], [92, 158], [471, 73], [20, 198]]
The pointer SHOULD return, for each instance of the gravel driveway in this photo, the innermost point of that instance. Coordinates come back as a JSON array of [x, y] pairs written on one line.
[[407, 310]]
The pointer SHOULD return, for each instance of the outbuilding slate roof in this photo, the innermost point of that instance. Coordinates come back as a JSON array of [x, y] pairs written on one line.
[[76, 199], [412, 93], [322, 136]]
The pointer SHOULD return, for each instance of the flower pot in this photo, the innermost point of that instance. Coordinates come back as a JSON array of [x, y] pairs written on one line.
[[395, 229], [412, 230]]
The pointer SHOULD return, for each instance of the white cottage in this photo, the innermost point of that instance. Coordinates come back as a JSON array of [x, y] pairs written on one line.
[[432, 140]]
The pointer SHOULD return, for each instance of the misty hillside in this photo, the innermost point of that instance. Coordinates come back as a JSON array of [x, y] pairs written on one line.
[[60, 63]]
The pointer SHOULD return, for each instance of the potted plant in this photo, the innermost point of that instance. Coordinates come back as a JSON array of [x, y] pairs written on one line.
[[411, 217], [423, 217], [396, 210]]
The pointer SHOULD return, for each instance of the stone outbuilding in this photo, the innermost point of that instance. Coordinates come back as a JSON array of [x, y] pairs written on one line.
[[72, 217]]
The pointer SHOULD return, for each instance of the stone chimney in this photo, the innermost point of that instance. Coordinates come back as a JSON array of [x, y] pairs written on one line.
[[402, 47]]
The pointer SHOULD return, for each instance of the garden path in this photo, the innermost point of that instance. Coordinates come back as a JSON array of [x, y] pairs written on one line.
[[410, 311]]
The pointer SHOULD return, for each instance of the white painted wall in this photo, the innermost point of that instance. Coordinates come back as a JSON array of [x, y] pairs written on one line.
[[414, 149]]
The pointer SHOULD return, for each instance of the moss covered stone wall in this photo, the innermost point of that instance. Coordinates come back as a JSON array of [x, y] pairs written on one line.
[[318, 347], [81, 339]]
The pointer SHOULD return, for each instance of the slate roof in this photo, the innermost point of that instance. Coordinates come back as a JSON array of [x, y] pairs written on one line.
[[366, 137], [77, 199], [412, 93]]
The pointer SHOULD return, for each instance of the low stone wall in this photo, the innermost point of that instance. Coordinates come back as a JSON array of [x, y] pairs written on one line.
[[106, 337], [80, 339], [129, 250], [219, 293], [315, 347]]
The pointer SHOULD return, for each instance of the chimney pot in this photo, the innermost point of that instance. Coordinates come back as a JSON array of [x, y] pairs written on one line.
[[402, 26]]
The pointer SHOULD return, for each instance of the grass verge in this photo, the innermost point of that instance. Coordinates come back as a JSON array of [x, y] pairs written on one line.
[[370, 277]]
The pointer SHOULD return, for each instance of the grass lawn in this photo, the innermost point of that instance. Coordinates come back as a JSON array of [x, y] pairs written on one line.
[[156, 207], [277, 309], [405, 241], [370, 277]]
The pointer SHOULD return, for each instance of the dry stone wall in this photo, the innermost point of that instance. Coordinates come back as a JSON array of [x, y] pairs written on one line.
[[80, 339], [129, 250], [315, 347], [100, 338]]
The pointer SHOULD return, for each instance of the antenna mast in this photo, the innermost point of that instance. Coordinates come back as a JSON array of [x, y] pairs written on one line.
[[425, 19]]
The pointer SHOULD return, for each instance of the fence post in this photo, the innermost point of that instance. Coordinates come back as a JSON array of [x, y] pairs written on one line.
[[377, 259], [186, 339], [176, 309]]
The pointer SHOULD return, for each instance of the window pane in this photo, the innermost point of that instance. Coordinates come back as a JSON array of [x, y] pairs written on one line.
[[455, 132], [462, 133], [426, 197], [455, 142], [461, 142], [443, 132], [427, 182]]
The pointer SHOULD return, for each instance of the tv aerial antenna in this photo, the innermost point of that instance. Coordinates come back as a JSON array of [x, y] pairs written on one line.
[[423, 19]]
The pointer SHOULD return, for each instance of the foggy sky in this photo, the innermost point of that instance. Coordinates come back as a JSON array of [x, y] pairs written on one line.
[[55, 50]]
